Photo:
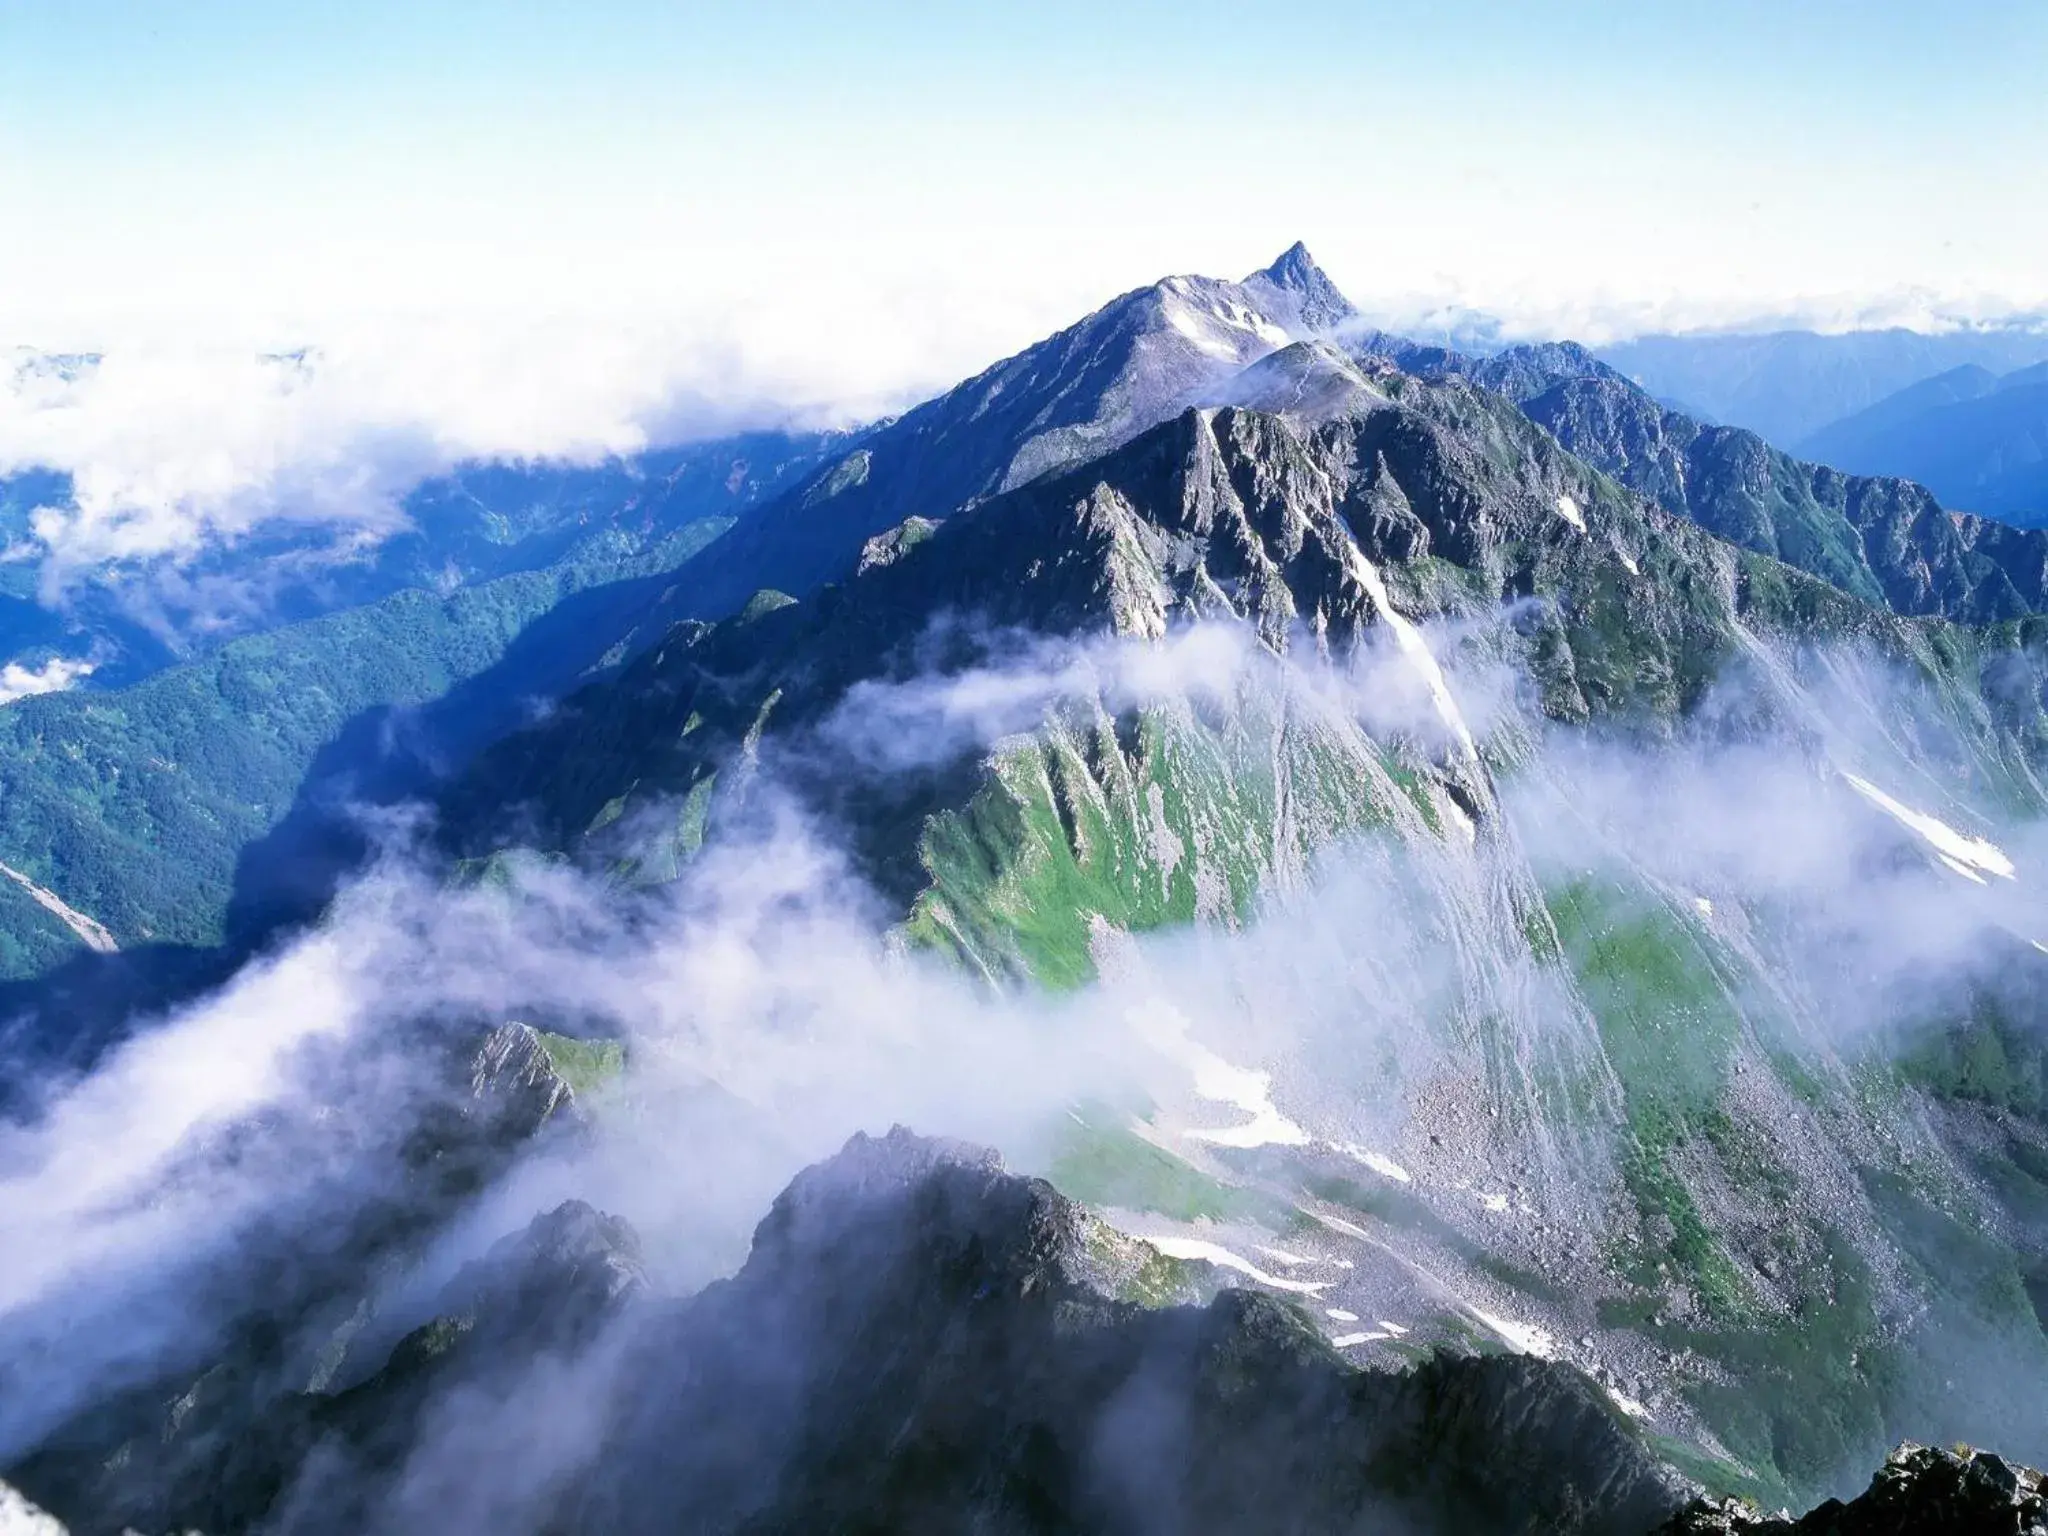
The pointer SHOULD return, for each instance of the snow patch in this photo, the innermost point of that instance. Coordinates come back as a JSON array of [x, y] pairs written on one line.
[[1214, 1253], [1705, 906], [1338, 1314], [1346, 1340], [1627, 1404], [1953, 847], [1165, 1029], [1522, 1338], [1282, 1256], [1962, 869], [1409, 640], [1339, 1224], [1498, 1204], [1628, 563], [1394, 1329], [1378, 1162], [1569, 511], [1454, 813], [1193, 327]]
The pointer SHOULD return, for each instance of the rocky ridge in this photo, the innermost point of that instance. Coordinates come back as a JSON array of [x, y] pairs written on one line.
[[1919, 1490]]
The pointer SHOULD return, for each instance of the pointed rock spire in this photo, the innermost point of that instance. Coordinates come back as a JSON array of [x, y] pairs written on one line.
[[1295, 273], [1296, 269]]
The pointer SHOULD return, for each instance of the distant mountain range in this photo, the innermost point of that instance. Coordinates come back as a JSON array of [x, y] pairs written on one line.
[[1975, 438], [483, 521], [1787, 385]]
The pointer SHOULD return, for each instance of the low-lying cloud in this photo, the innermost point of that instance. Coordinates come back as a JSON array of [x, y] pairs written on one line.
[[171, 449], [53, 676]]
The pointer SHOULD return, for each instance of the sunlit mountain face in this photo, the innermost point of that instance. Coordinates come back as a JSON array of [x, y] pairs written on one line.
[[1239, 922]]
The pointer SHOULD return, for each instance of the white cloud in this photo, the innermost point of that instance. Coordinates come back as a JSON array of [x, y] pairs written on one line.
[[53, 676], [175, 446]]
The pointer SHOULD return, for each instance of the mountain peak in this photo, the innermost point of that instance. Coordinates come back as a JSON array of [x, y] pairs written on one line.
[[1296, 269], [1295, 273]]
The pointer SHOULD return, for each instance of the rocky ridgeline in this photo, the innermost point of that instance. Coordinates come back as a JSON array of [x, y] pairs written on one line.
[[923, 1341], [919, 1340], [1918, 1490]]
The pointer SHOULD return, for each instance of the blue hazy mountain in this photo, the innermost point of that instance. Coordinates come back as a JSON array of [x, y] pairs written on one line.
[[480, 522], [1787, 385], [1976, 439]]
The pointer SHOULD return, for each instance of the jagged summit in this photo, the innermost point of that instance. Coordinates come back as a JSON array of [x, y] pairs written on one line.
[[1083, 391], [1320, 304], [1295, 268]]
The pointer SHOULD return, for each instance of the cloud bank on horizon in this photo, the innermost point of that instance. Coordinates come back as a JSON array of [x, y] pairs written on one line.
[[584, 229]]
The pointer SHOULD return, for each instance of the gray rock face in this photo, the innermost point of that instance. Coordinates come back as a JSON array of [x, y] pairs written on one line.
[[513, 1085], [1918, 1492], [1880, 538]]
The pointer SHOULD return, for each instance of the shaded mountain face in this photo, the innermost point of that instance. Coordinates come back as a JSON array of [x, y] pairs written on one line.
[[211, 805], [283, 1311], [1969, 1493], [1319, 527], [1298, 528], [1789, 384], [1975, 439]]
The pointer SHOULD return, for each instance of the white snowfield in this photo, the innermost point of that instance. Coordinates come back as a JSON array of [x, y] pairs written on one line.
[[1338, 1314], [1409, 640], [1965, 855], [1522, 1338], [1209, 324], [1347, 1340], [1165, 1029], [1214, 1253], [1282, 1256], [1569, 511], [1378, 1162]]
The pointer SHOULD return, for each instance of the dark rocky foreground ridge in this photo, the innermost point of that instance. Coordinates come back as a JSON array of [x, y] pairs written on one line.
[[922, 1341], [919, 1341], [1962, 1492]]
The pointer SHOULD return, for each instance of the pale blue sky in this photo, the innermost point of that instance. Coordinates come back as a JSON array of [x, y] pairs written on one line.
[[292, 165]]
